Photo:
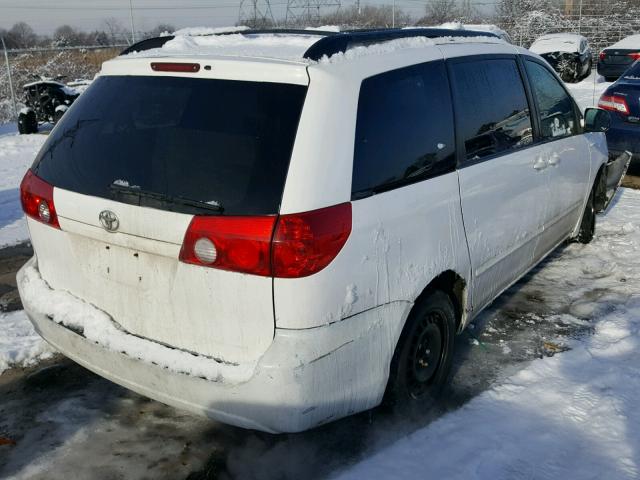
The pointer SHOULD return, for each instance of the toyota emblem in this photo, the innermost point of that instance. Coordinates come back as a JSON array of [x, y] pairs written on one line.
[[109, 220]]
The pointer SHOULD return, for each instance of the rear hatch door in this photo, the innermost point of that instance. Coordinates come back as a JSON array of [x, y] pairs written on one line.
[[132, 162]]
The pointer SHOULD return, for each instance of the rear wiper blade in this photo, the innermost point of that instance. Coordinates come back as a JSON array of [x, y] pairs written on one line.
[[164, 198]]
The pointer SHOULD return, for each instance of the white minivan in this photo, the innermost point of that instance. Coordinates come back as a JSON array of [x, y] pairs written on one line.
[[277, 230]]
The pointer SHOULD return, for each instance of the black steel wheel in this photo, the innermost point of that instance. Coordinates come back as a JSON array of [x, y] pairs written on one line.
[[422, 360]]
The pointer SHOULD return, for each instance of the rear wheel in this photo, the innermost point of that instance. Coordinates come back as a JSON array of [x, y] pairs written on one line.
[[423, 357], [57, 116], [588, 223], [27, 123]]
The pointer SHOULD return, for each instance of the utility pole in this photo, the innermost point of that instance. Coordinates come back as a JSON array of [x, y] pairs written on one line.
[[580, 18], [393, 14], [133, 30], [13, 95]]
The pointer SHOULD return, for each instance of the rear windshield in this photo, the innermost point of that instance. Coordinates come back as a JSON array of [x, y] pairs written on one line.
[[222, 143], [634, 72]]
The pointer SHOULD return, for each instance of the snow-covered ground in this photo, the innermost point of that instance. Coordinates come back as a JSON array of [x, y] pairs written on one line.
[[20, 345], [16, 156], [572, 416]]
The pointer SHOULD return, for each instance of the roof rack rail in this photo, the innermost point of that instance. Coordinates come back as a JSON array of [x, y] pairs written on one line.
[[342, 41], [158, 42], [331, 42]]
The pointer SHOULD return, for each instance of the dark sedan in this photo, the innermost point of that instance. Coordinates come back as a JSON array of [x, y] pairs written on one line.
[[622, 99], [614, 60]]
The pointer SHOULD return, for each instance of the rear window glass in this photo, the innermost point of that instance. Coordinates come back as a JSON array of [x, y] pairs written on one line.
[[221, 142], [634, 72]]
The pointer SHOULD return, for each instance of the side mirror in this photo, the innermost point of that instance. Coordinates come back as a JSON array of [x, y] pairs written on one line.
[[596, 120]]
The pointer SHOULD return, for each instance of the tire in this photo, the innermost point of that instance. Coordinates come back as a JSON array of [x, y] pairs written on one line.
[[610, 79], [22, 120], [588, 222], [422, 361], [32, 122], [57, 116]]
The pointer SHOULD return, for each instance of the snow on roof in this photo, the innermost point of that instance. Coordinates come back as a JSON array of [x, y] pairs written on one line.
[[209, 30], [283, 46], [632, 41], [557, 42], [277, 46], [403, 44]]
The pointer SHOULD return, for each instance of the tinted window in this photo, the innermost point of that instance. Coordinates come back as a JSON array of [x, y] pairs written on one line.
[[216, 141], [491, 106], [555, 107], [633, 73], [404, 130]]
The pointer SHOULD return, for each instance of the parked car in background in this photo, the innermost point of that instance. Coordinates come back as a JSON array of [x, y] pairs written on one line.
[[622, 99], [45, 101], [277, 242], [569, 54], [614, 60]]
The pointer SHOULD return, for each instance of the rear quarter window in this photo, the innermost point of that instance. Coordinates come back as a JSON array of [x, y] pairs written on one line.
[[404, 130], [221, 142]]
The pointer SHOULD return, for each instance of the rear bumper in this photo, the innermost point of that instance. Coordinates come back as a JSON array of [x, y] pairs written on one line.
[[306, 378], [611, 70]]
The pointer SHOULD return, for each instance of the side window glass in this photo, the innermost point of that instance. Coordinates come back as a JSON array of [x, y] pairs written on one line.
[[555, 108], [491, 106], [404, 129]]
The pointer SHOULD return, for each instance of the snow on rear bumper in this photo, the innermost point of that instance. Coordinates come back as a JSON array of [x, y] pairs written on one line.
[[306, 378]]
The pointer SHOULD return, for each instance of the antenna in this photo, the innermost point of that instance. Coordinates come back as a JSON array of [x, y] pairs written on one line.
[[256, 14], [308, 12]]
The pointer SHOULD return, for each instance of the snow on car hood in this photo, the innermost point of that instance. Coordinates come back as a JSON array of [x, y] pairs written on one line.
[[555, 44]]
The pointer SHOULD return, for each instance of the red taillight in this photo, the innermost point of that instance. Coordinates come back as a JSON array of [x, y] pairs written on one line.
[[36, 196], [614, 103], [240, 244], [305, 243], [635, 55], [603, 55], [175, 67], [301, 245]]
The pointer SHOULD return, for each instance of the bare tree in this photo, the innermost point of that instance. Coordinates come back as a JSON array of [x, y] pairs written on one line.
[[440, 11], [21, 35], [115, 31]]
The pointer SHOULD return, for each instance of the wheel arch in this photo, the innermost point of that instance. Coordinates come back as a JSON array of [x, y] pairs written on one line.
[[456, 287]]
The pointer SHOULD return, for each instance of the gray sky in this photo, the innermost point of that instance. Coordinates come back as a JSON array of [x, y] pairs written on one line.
[[45, 15]]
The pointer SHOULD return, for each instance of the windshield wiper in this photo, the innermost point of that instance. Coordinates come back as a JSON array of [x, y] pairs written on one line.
[[147, 198]]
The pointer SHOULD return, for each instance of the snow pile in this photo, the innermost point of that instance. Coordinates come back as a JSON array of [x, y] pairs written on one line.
[[557, 43], [632, 41], [95, 325], [574, 415], [16, 156], [20, 345]]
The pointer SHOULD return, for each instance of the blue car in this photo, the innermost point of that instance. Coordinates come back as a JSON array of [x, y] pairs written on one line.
[[622, 99]]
